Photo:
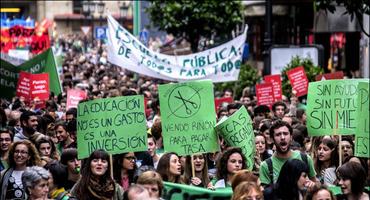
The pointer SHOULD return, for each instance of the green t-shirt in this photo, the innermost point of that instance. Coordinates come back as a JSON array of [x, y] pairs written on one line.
[[277, 163]]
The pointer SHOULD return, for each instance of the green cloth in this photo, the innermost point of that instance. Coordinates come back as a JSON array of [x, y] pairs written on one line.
[[277, 163]]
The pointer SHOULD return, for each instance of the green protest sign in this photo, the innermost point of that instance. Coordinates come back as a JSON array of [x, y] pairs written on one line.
[[42, 63], [173, 191], [332, 106], [188, 117], [237, 130], [117, 125], [362, 146]]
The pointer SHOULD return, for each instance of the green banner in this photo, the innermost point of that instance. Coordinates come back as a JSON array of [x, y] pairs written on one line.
[[173, 191], [117, 125], [237, 130], [188, 117], [362, 146], [332, 107], [42, 63]]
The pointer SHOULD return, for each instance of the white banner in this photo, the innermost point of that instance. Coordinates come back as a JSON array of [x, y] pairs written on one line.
[[220, 64]]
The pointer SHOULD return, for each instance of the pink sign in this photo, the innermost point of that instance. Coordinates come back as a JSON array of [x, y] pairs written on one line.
[[265, 94], [276, 83], [33, 86], [74, 96], [298, 80]]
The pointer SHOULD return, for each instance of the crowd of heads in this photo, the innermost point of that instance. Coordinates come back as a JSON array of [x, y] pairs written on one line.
[[39, 157]]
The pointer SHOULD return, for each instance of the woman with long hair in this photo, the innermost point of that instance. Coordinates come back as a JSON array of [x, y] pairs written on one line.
[[96, 181], [326, 160], [124, 169], [201, 178], [231, 161], [169, 167], [292, 180], [261, 147], [22, 154], [47, 150]]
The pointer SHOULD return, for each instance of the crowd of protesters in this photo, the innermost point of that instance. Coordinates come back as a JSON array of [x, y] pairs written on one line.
[[39, 156]]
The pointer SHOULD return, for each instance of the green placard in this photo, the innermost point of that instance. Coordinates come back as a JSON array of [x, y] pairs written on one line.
[[117, 125], [173, 191], [42, 63], [237, 130], [362, 146], [188, 117], [332, 106]]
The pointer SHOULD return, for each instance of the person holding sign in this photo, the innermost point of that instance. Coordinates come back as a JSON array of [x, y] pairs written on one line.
[[169, 167], [200, 166], [230, 162], [96, 181]]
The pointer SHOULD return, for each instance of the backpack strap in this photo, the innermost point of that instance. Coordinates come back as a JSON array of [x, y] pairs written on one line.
[[271, 169], [304, 158]]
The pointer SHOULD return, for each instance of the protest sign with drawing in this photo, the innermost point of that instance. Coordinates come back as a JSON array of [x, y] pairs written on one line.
[[298, 80], [188, 117], [276, 83], [332, 107], [237, 130], [362, 137], [117, 125]]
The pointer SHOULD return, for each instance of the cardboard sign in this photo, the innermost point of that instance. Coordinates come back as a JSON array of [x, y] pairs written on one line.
[[362, 146], [265, 94], [330, 76], [237, 130], [219, 102], [74, 96], [298, 80], [117, 125], [332, 107], [188, 117], [276, 83], [33, 86]]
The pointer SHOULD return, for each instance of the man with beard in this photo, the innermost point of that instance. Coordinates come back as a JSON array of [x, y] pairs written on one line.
[[281, 133], [29, 125]]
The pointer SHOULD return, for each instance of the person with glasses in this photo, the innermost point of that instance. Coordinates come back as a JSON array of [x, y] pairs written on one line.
[[35, 181], [124, 169], [231, 161], [6, 139], [22, 154]]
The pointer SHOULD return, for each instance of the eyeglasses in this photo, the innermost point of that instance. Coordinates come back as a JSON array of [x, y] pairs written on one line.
[[21, 152], [130, 158]]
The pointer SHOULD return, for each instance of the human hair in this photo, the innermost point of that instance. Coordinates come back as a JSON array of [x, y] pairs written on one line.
[[67, 155], [163, 167], [61, 123], [261, 110], [186, 178], [234, 106], [72, 111], [354, 172], [117, 173], [243, 176], [311, 193], [45, 139], [299, 113], [156, 130], [244, 189], [32, 175], [136, 188], [286, 185], [222, 172], [26, 115], [7, 131], [334, 156], [34, 159], [277, 124], [151, 177], [82, 187], [278, 103], [59, 173]]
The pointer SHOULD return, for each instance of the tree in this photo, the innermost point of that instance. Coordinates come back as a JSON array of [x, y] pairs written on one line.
[[354, 8], [195, 19]]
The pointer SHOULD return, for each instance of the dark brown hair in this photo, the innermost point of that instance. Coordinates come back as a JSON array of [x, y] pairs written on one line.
[[163, 167], [222, 162]]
